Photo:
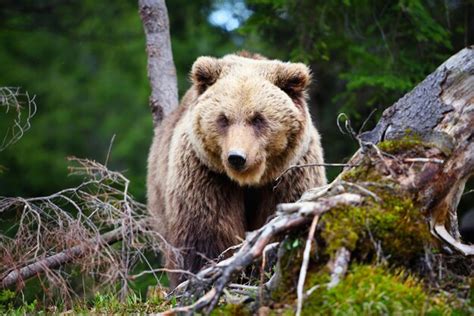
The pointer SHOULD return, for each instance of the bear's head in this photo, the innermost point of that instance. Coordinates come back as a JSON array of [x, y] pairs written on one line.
[[249, 116]]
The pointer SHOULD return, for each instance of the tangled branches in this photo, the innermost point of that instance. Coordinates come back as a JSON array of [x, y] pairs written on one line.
[[22, 107], [78, 224], [289, 216]]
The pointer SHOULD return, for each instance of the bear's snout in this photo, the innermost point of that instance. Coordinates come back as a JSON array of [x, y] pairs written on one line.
[[237, 159]]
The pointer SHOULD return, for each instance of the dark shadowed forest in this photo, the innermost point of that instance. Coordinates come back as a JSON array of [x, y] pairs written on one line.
[[79, 71]]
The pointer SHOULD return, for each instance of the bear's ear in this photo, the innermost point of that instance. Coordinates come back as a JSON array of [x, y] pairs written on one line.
[[294, 80], [205, 72]]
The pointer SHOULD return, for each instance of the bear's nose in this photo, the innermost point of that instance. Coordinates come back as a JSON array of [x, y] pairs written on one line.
[[236, 159]]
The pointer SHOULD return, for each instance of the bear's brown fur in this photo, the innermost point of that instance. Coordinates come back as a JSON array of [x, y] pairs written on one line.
[[201, 201]]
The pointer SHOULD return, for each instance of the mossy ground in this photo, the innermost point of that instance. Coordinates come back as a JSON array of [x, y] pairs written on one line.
[[376, 290]]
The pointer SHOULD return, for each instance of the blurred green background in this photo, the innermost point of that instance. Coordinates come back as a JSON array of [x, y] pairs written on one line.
[[85, 61]]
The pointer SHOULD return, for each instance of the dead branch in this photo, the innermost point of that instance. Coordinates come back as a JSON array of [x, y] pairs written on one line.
[[78, 225], [304, 265], [161, 69], [57, 260]]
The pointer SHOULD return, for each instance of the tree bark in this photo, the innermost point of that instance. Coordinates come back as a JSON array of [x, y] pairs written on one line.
[[161, 69], [441, 111]]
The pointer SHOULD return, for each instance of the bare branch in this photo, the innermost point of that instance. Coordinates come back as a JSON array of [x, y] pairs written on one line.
[[304, 265], [55, 261], [67, 225]]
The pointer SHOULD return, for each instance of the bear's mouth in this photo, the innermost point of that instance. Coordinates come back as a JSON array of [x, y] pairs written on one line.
[[248, 175]]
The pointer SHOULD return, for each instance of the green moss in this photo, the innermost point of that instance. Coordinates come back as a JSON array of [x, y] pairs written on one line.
[[396, 222], [410, 141], [231, 309], [411, 145], [374, 290], [106, 304], [365, 171]]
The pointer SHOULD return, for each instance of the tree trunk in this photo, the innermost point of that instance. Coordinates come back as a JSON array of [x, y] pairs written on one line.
[[161, 69], [440, 112]]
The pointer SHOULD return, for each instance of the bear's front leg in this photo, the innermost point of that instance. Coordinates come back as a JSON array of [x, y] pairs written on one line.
[[205, 217]]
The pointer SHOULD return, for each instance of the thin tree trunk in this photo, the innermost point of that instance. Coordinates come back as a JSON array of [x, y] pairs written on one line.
[[161, 69]]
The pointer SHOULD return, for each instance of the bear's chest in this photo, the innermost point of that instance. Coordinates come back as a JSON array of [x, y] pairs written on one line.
[[258, 203]]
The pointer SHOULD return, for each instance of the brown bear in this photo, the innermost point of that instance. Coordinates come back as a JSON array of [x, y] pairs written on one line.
[[214, 160]]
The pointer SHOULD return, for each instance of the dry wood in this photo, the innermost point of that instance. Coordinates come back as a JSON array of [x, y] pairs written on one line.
[[304, 265], [441, 111], [56, 260]]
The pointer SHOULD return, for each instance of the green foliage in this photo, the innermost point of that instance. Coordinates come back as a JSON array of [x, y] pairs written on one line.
[[110, 304], [375, 47], [7, 306]]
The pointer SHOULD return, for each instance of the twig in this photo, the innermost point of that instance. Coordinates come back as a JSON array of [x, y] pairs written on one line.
[[153, 271], [468, 192], [424, 160], [304, 265], [48, 235], [311, 290], [380, 155], [13, 99], [361, 129], [109, 150], [362, 190], [309, 165], [56, 260], [347, 125]]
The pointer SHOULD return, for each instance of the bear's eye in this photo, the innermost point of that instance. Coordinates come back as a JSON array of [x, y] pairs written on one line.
[[222, 121], [258, 121]]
